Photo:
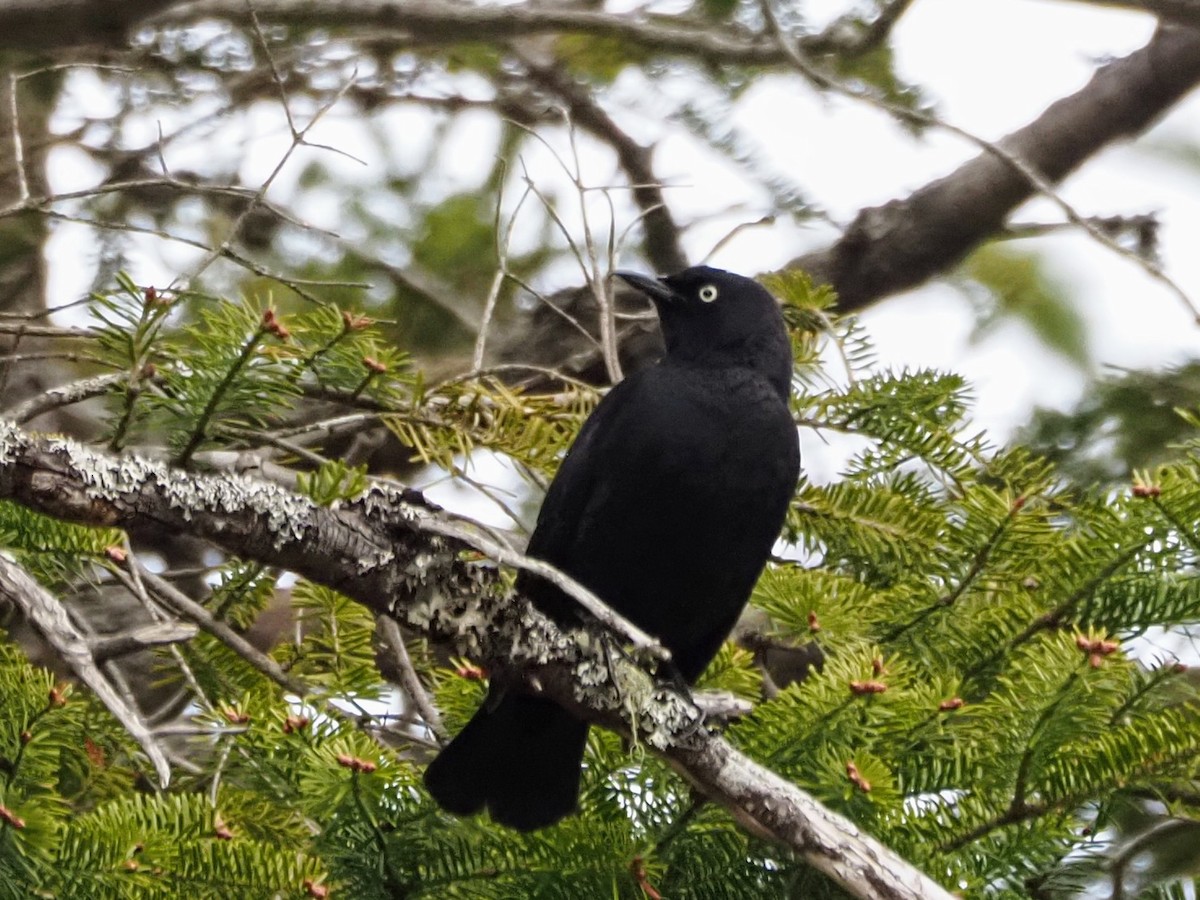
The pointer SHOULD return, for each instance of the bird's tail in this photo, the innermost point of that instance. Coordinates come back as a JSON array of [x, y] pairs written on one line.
[[521, 760]]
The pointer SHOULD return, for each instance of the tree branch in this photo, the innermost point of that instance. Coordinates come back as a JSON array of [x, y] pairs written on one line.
[[134, 640], [1182, 12], [904, 243], [389, 550], [50, 24], [48, 616], [445, 22]]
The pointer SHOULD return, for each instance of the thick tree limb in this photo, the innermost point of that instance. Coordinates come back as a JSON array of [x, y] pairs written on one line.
[[389, 550], [1182, 12], [47, 24], [444, 21], [52, 24], [905, 242]]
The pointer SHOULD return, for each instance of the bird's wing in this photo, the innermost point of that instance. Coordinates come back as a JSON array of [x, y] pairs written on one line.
[[603, 448], [592, 454]]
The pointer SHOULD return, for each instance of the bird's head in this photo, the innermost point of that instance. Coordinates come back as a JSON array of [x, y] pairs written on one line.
[[713, 317]]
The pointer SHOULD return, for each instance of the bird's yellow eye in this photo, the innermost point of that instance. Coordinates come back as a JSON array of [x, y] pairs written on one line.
[[708, 293]]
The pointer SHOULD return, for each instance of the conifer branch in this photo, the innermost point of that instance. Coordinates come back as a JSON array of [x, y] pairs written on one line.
[[382, 550]]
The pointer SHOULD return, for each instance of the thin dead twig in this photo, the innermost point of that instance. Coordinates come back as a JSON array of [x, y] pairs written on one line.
[[183, 605], [493, 296], [389, 628], [55, 398], [298, 139]]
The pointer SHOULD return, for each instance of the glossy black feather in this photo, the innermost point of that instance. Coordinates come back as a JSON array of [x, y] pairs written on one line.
[[666, 506]]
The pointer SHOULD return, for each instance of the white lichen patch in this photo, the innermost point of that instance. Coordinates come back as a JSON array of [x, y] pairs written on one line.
[[378, 559], [12, 439], [380, 500], [592, 673], [666, 715], [288, 515], [119, 480]]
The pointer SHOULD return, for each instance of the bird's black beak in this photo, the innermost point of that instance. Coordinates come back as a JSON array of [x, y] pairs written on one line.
[[653, 288]]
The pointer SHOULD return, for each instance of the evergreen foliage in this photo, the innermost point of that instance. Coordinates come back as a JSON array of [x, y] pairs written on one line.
[[977, 706]]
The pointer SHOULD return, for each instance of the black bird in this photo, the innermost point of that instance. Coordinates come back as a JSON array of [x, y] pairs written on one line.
[[666, 506]]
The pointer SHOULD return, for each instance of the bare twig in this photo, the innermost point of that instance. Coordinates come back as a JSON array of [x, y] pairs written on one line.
[[511, 368], [722, 706], [164, 182], [55, 398], [183, 605], [298, 140], [601, 611], [596, 280], [134, 640], [662, 239], [735, 231], [491, 494], [1142, 228], [493, 296], [276, 76], [130, 576], [18, 145], [298, 285], [557, 310], [409, 680]]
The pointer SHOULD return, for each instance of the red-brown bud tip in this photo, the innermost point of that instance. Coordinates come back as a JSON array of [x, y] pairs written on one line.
[[355, 764], [856, 778], [355, 322], [867, 687]]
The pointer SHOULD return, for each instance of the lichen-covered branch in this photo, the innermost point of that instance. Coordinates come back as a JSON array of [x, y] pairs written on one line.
[[389, 550]]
